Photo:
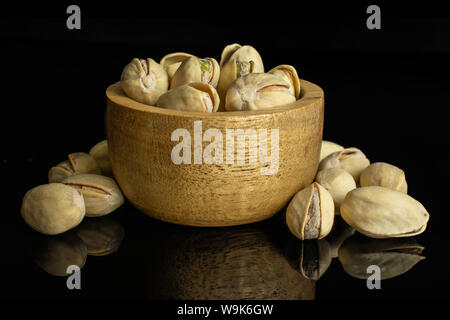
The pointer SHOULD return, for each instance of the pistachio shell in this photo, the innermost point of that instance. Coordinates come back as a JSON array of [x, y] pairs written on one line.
[[289, 74], [384, 175], [338, 182], [81, 162], [53, 208], [236, 61], [393, 256], [257, 91], [144, 81], [100, 153], [310, 214], [195, 96], [101, 194], [193, 69], [380, 212], [59, 172], [328, 148], [172, 61], [349, 159]]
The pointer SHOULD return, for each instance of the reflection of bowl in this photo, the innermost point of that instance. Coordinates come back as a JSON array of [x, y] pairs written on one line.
[[140, 148]]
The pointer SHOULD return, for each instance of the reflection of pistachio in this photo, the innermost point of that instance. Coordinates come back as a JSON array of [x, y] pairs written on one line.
[[315, 258], [55, 253], [393, 256], [384, 175], [341, 231], [380, 212], [310, 214], [102, 236]]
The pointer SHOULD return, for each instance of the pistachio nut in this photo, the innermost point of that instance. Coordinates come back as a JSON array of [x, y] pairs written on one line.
[[384, 175], [79, 162], [289, 74], [54, 254], [257, 91], [172, 61], [193, 69], [102, 236], [100, 153], [53, 208], [349, 159], [379, 212], [393, 256], [101, 194], [328, 148], [195, 96], [338, 182], [310, 214], [315, 258], [237, 61], [144, 80]]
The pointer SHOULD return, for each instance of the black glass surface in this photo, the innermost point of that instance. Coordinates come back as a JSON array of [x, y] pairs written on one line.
[[386, 93]]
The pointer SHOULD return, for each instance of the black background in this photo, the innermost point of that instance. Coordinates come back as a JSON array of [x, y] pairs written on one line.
[[386, 92]]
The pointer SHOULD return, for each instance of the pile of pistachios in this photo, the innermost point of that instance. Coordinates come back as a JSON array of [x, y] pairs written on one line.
[[371, 198], [182, 81], [80, 186]]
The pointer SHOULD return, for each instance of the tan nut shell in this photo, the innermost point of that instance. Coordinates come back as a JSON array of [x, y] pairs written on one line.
[[257, 91], [338, 182], [189, 97], [53, 208], [190, 71], [101, 194], [328, 148], [289, 74], [393, 256], [142, 85], [172, 61], [384, 175], [349, 159], [379, 212], [232, 55], [100, 153], [304, 204], [59, 172], [81, 162]]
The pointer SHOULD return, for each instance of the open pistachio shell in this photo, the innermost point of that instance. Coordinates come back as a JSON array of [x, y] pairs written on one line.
[[237, 61], [328, 148], [310, 213], [289, 74], [195, 96], [349, 159], [380, 212], [193, 69], [144, 80], [258, 91], [384, 175], [172, 61], [100, 153], [393, 256]]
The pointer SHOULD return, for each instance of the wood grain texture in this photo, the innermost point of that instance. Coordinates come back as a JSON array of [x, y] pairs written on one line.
[[140, 146]]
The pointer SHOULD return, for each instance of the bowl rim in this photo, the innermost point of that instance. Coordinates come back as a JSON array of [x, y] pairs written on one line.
[[309, 94]]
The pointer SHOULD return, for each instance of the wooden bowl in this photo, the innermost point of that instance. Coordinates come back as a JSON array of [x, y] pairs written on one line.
[[217, 194]]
